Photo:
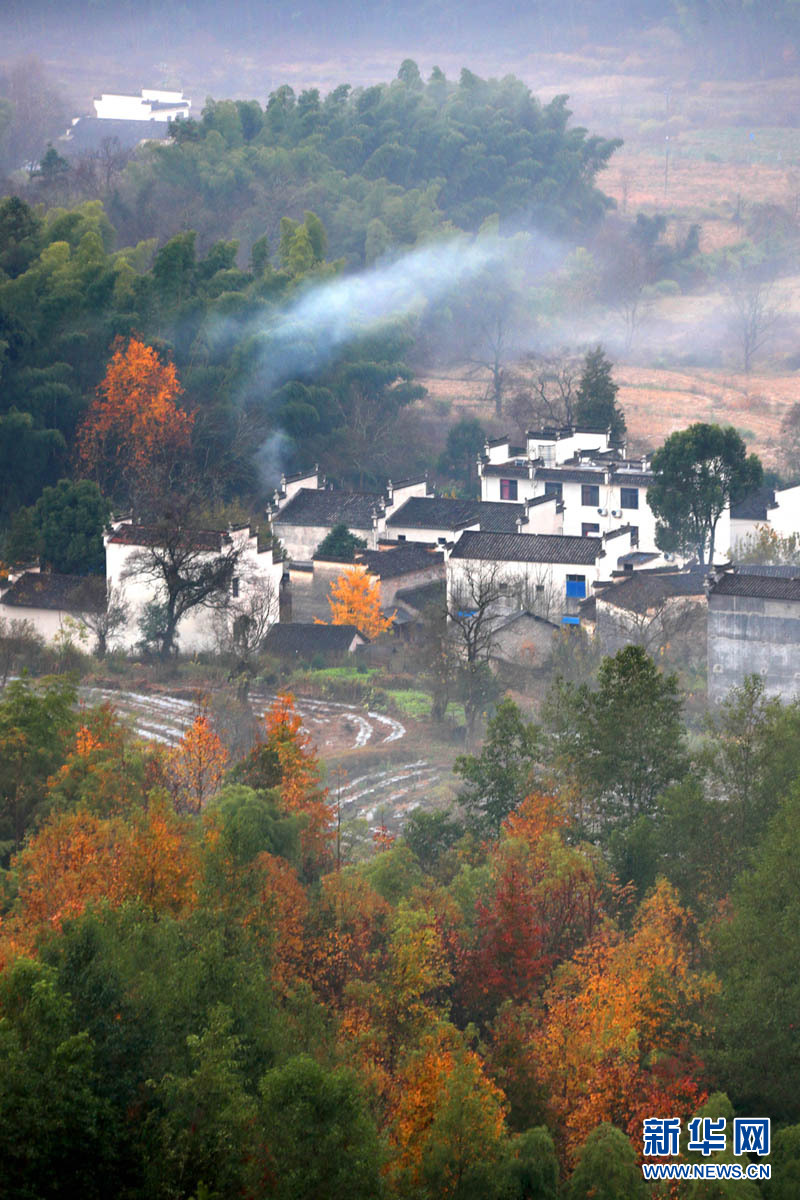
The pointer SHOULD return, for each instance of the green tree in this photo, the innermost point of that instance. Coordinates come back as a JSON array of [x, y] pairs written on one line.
[[465, 441], [340, 543], [698, 472], [623, 743], [756, 1053], [319, 1135], [606, 1168], [596, 399], [70, 519], [35, 722], [784, 1183], [532, 1168], [500, 777], [54, 1137]]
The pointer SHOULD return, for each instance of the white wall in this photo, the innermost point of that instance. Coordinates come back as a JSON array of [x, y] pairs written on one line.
[[197, 629]]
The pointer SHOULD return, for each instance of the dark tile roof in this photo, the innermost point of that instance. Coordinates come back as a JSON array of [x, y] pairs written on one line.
[[420, 597], [646, 589], [524, 615], [619, 532], [68, 593], [640, 556], [311, 506], [754, 507], [570, 475], [296, 638], [150, 535], [442, 512], [508, 470], [400, 560], [762, 587], [632, 478], [777, 570], [528, 547]]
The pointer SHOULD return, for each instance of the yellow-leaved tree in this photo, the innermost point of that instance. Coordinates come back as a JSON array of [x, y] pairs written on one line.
[[355, 599]]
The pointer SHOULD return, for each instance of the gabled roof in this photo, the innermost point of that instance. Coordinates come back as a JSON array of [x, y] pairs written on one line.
[[442, 512], [312, 506], [297, 638], [400, 560], [646, 589], [760, 587], [212, 540], [65, 593], [528, 547], [420, 597]]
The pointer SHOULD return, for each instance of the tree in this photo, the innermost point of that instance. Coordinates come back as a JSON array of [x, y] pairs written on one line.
[[546, 391], [501, 776], [35, 722], [596, 399], [756, 1052], [752, 312], [103, 610], [355, 599], [465, 442], [320, 1138], [133, 431], [607, 1168], [69, 520], [340, 543], [196, 766], [699, 472], [190, 568]]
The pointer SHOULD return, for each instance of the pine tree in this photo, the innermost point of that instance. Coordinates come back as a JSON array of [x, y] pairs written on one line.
[[596, 404]]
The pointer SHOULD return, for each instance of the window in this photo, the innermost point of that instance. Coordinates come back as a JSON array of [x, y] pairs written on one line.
[[551, 488], [508, 489], [590, 529], [576, 587], [590, 495], [401, 537], [634, 535], [629, 497], [234, 587]]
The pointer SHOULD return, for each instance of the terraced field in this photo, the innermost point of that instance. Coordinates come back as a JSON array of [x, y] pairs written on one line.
[[380, 793]]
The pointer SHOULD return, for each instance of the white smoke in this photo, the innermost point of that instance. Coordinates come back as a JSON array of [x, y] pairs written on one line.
[[320, 322]]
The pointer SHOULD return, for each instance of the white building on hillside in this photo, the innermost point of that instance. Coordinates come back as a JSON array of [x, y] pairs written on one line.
[[150, 105]]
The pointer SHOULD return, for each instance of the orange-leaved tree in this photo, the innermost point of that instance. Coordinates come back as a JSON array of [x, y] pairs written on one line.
[[133, 428], [624, 1018], [289, 748], [196, 765], [355, 599]]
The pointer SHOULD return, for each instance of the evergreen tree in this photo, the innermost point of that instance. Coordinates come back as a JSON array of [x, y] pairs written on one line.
[[596, 404]]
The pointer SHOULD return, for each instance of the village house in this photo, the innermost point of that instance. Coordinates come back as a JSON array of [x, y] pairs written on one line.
[[754, 628], [312, 644], [545, 574], [126, 120], [650, 608], [256, 580], [53, 604], [305, 510]]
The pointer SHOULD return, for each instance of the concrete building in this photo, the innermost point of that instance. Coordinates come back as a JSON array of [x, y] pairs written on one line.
[[152, 104], [754, 628]]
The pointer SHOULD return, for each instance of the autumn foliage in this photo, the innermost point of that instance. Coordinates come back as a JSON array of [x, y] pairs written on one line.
[[196, 766], [133, 426], [355, 599]]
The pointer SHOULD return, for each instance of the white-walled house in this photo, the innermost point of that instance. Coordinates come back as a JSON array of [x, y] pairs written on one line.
[[152, 104], [600, 489], [305, 510], [546, 574], [256, 580], [52, 604]]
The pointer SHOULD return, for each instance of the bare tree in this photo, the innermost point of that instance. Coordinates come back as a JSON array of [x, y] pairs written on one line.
[[245, 621], [472, 612], [490, 358], [104, 611], [189, 568], [20, 646], [546, 388], [655, 628], [752, 313]]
